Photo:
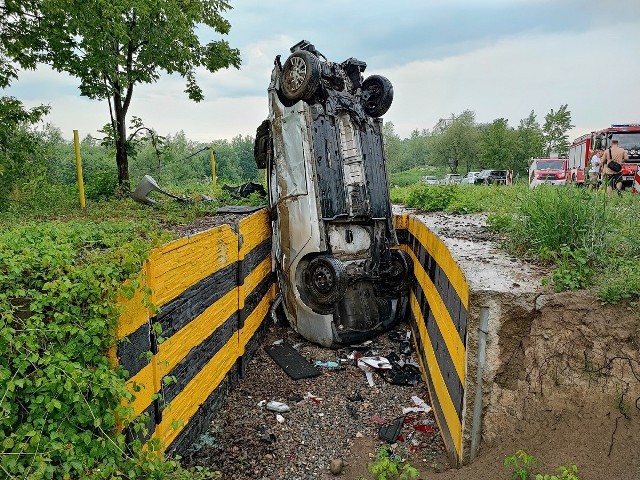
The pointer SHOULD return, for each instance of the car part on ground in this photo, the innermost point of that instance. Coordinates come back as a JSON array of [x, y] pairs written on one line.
[[341, 280], [245, 190], [148, 185]]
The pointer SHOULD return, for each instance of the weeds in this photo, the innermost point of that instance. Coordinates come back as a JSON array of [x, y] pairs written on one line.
[[569, 472], [388, 467], [521, 464], [583, 234], [623, 407]]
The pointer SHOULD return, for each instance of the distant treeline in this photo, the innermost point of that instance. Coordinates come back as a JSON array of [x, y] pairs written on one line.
[[32, 155], [460, 144]]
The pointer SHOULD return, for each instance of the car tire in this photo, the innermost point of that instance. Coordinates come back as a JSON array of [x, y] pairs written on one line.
[[325, 280], [489, 180], [262, 144], [401, 271], [300, 76], [377, 95]]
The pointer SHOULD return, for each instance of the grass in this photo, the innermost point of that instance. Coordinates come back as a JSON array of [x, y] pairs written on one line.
[[410, 177], [61, 203], [590, 238]]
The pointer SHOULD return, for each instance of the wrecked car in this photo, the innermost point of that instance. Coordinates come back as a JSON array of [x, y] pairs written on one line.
[[340, 278]]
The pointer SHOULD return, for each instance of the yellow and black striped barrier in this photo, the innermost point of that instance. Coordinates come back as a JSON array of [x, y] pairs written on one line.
[[439, 305], [213, 291]]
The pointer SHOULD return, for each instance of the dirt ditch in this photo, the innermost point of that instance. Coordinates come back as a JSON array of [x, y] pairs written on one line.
[[562, 381]]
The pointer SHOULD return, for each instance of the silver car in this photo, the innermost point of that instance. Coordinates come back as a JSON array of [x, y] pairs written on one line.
[[341, 280]]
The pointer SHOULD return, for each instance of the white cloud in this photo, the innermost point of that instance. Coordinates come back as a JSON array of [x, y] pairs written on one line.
[[594, 72], [513, 76]]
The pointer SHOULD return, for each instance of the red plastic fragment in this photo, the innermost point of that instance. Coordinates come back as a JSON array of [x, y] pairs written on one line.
[[421, 427]]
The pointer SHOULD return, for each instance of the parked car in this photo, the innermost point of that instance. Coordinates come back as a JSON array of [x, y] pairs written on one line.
[[469, 178], [340, 280], [431, 180], [451, 178], [489, 177]]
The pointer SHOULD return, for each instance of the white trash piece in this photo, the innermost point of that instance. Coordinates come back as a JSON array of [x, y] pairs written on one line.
[[280, 418], [277, 407], [380, 363], [421, 406]]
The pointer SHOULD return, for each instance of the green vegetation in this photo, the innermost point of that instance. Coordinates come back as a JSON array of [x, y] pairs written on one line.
[[413, 176], [459, 144], [60, 401], [520, 463], [388, 467], [60, 271], [114, 47], [588, 237]]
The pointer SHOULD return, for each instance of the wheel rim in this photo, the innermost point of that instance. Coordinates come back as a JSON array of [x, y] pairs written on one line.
[[296, 74], [322, 279], [371, 95], [396, 269]]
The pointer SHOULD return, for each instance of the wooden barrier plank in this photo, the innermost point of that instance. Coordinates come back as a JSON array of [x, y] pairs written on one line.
[[180, 265], [453, 422]]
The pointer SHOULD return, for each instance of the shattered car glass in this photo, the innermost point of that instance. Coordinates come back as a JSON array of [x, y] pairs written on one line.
[[340, 278]]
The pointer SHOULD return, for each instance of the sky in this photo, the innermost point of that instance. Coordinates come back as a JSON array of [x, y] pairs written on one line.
[[498, 58]]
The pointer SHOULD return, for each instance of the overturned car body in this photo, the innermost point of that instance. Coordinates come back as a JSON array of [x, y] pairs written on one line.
[[340, 279]]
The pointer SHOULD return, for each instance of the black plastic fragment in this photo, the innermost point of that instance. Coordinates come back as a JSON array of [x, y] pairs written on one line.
[[390, 432], [290, 360]]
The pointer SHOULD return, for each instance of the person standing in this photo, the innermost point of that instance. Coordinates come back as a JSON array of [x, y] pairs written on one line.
[[613, 175], [594, 171]]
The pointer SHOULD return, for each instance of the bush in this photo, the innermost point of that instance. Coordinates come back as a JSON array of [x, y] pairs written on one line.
[[101, 185], [60, 396]]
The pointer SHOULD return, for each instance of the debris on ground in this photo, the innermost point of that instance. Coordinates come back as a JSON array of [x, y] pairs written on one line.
[[328, 414]]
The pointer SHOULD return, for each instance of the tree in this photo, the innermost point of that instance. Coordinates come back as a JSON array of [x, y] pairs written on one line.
[[392, 147], [498, 145], [415, 149], [556, 126], [458, 143], [113, 46], [531, 140], [243, 145], [20, 147]]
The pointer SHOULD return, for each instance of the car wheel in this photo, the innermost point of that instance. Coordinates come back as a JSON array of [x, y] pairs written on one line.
[[300, 76], [401, 271], [377, 95], [490, 180], [325, 280], [261, 145]]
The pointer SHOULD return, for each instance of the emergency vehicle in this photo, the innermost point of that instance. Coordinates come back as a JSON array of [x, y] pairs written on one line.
[[550, 171], [580, 152]]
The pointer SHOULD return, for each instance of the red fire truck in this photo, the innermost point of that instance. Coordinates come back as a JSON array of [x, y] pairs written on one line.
[[580, 152]]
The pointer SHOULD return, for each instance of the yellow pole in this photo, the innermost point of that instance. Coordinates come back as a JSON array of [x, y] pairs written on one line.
[[79, 168], [212, 153]]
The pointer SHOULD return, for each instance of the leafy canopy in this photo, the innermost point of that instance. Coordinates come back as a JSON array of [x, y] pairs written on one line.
[[113, 45], [555, 128]]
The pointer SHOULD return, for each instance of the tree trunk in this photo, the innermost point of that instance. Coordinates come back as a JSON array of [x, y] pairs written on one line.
[[120, 134]]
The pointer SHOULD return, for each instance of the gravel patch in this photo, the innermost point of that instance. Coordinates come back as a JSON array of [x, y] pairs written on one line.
[[327, 415]]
